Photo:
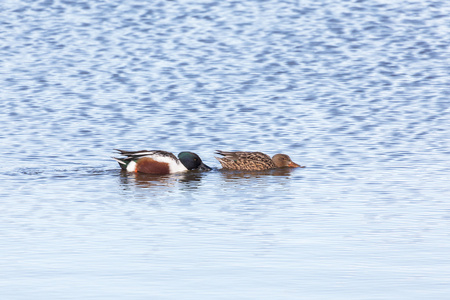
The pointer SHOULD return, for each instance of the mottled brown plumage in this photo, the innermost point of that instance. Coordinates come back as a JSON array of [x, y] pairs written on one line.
[[253, 161]]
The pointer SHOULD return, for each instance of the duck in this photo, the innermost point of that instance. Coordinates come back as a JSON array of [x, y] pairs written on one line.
[[253, 161], [159, 162]]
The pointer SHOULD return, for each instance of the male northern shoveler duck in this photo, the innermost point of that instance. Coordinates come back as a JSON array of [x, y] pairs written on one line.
[[253, 161], [159, 162]]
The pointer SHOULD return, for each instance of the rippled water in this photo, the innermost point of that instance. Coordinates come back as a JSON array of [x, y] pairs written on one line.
[[358, 91]]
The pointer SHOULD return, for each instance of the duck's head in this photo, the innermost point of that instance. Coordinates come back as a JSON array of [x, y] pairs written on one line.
[[283, 160], [192, 161]]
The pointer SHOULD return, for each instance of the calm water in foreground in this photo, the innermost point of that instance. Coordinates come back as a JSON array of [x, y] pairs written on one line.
[[358, 91]]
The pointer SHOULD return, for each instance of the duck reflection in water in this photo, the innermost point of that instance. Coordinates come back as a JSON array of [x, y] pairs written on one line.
[[189, 180], [232, 175]]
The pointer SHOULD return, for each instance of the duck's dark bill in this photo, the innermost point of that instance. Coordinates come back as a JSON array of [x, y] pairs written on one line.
[[204, 167]]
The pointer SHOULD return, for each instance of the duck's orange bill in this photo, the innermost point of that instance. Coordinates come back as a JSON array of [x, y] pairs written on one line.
[[294, 165]]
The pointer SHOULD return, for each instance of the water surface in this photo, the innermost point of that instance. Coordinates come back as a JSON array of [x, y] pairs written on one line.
[[358, 91]]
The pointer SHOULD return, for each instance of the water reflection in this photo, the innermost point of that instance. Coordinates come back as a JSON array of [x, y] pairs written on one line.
[[233, 175], [189, 180]]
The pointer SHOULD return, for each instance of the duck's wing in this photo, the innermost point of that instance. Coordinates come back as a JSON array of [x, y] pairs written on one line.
[[146, 153]]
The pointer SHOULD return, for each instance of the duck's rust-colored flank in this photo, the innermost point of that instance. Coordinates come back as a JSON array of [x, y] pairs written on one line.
[[151, 166]]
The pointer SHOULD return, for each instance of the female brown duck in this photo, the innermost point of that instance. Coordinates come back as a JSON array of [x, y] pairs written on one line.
[[253, 161]]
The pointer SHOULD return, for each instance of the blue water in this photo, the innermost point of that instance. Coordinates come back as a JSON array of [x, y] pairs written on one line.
[[358, 91]]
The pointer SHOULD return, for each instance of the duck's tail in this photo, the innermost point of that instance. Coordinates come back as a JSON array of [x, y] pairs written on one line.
[[123, 163]]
